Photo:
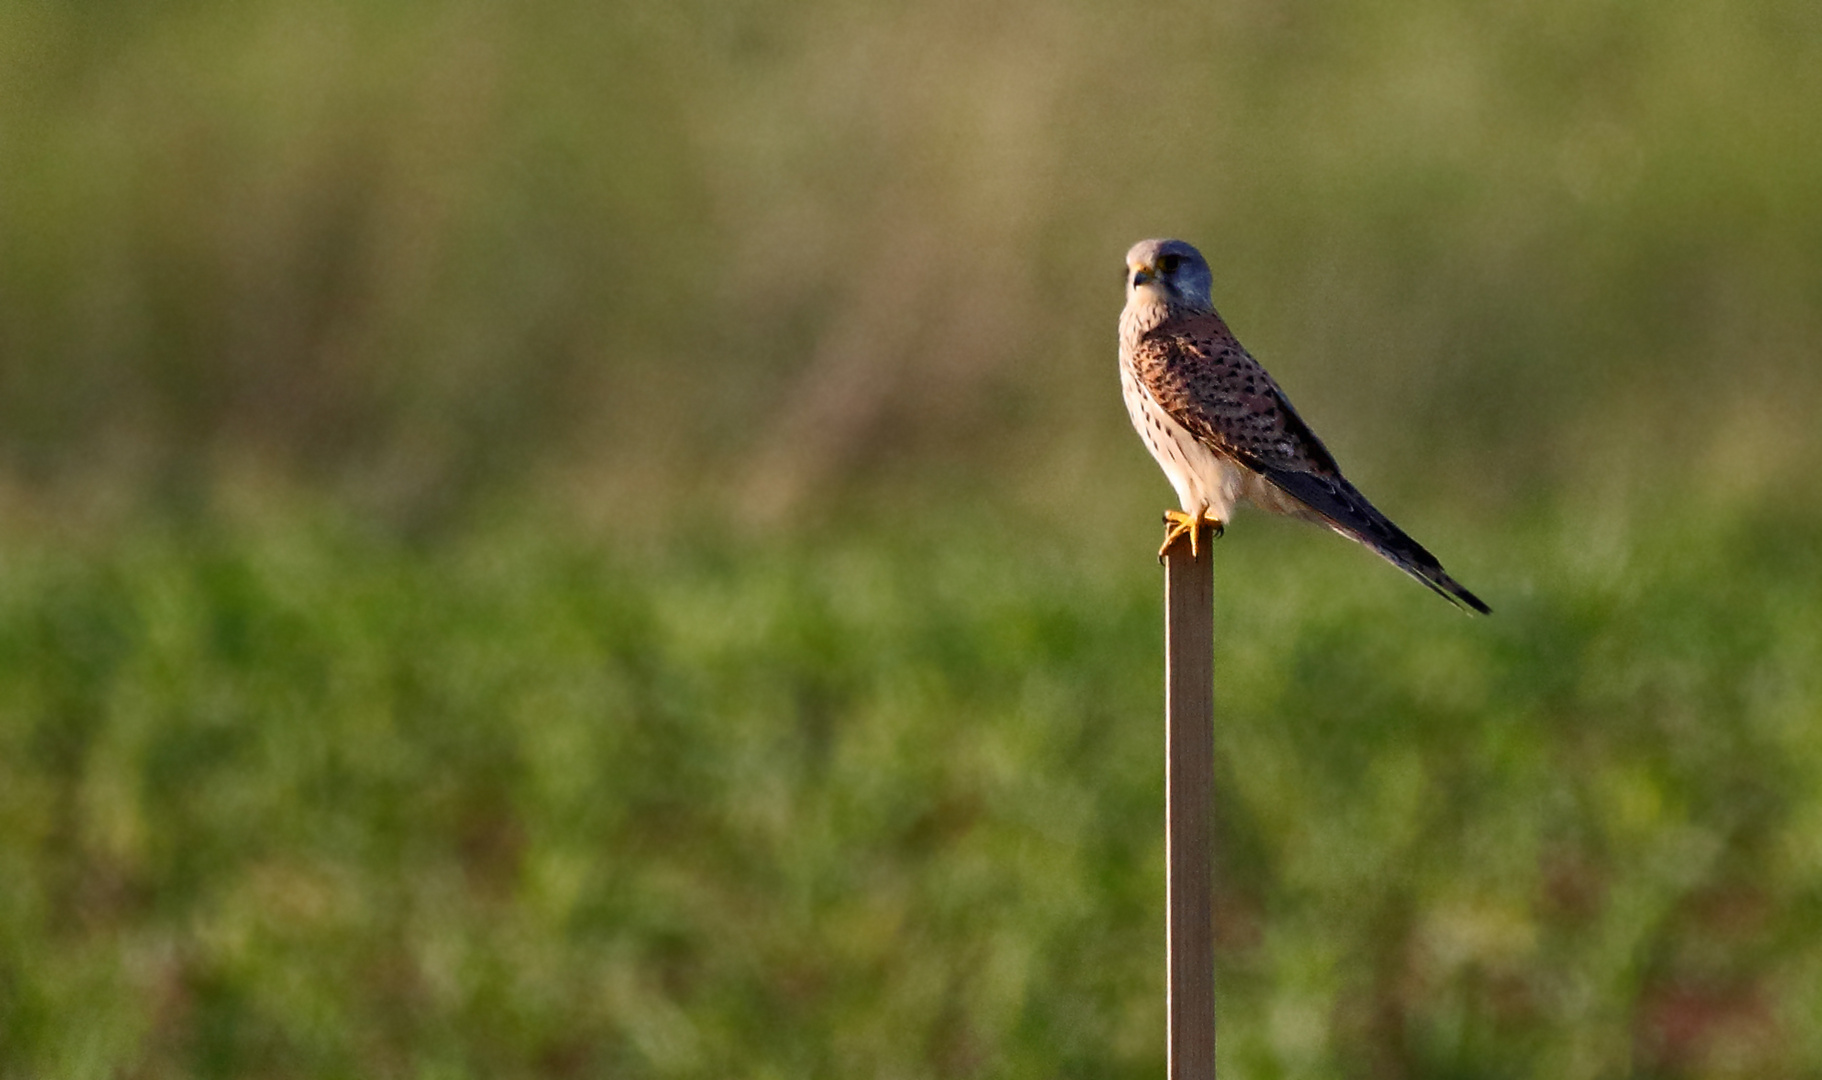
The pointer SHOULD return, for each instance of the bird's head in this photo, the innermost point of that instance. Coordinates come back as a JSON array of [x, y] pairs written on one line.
[[1168, 272]]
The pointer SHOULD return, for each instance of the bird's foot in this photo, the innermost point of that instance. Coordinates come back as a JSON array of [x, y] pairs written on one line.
[[1179, 524]]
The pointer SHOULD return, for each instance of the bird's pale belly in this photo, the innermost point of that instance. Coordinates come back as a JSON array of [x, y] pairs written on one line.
[[1204, 480]]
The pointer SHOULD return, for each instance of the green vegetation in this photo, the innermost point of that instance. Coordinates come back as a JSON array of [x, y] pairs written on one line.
[[600, 539], [295, 801]]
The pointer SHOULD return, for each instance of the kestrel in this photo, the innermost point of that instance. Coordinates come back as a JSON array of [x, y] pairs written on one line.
[[1222, 430]]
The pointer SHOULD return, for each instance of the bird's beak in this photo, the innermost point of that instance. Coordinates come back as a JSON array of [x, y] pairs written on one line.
[[1141, 276]]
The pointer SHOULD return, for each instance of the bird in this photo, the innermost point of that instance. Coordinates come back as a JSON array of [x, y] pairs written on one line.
[[1222, 429]]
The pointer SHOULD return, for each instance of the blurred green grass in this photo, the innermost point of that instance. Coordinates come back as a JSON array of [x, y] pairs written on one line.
[[601, 540], [297, 799], [773, 254]]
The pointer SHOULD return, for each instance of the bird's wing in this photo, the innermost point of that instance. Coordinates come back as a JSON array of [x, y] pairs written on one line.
[[1195, 370]]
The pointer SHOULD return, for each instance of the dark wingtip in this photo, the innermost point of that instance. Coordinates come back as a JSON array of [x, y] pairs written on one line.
[[1431, 574], [1472, 601], [1446, 587]]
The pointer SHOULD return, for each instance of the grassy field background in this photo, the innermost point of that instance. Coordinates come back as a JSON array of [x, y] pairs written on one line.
[[601, 540]]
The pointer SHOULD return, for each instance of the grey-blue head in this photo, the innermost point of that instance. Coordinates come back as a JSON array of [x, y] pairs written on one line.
[[1168, 271]]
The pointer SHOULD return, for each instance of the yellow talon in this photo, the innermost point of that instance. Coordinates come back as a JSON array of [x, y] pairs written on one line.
[[1180, 523]]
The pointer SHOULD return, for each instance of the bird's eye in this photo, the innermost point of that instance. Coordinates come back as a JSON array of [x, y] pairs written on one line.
[[1169, 263]]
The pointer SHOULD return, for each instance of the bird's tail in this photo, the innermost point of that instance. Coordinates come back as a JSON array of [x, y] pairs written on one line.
[[1343, 508], [1434, 576], [1396, 547]]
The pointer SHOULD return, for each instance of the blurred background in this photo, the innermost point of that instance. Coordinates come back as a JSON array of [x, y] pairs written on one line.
[[602, 539]]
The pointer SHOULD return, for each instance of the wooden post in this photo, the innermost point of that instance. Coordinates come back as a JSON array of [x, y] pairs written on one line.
[[1189, 758]]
